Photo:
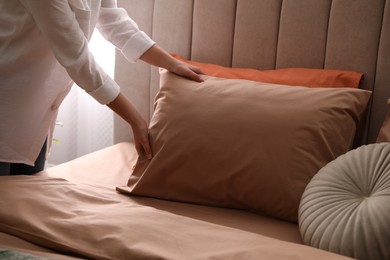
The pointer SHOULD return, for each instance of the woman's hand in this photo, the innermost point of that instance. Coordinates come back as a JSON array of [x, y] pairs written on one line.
[[141, 139], [122, 106], [160, 58], [186, 70]]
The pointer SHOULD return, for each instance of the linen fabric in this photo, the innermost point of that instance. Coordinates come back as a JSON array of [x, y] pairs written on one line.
[[346, 207], [384, 132], [243, 144], [308, 77], [43, 49], [112, 166], [94, 222]]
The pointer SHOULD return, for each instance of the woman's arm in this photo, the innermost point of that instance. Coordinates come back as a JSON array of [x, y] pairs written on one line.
[[122, 106], [118, 28]]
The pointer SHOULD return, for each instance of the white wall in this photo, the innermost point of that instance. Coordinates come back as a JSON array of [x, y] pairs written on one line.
[[87, 125]]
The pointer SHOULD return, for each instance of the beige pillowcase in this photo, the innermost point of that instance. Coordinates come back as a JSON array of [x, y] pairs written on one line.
[[384, 133], [243, 144]]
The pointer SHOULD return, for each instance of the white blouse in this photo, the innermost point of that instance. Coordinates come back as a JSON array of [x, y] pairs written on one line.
[[43, 50]]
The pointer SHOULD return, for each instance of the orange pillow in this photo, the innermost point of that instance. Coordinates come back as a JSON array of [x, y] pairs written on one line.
[[316, 78]]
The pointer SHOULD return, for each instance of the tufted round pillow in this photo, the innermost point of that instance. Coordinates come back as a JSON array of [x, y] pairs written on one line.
[[346, 207]]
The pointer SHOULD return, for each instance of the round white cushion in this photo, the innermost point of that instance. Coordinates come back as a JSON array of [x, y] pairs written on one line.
[[346, 206]]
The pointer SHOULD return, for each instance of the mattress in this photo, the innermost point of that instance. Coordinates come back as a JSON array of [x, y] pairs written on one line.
[[73, 211]]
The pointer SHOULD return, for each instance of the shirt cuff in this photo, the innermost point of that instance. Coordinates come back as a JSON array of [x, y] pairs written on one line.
[[137, 45], [107, 92]]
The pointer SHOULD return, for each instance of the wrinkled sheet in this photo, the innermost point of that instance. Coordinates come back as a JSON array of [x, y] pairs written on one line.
[[97, 222], [72, 211]]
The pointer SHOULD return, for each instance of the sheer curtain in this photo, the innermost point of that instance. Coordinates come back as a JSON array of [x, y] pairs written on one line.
[[84, 125]]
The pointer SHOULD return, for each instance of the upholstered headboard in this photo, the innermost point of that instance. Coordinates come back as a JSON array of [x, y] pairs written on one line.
[[264, 34]]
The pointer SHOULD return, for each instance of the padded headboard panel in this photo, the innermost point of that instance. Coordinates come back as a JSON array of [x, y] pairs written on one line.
[[264, 34]]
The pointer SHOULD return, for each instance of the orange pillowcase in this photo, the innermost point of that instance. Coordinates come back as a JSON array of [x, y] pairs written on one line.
[[317, 78]]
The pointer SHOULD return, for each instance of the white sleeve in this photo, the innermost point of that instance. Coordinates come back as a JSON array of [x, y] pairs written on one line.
[[117, 27], [56, 21]]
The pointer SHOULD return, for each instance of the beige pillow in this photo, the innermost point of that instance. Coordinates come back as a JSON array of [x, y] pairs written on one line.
[[346, 206], [384, 133], [243, 144]]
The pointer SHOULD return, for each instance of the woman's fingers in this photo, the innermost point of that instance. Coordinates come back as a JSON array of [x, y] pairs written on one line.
[[142, 144], [188, 71], [147, 149]]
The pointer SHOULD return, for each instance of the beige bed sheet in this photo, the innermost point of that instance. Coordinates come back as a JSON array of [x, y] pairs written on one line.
[[144, 227], [112, 166]]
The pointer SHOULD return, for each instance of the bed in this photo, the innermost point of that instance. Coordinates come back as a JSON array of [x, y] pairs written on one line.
[[114, 204]]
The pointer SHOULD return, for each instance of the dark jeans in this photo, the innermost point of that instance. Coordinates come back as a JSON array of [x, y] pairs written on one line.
[[24, 169]]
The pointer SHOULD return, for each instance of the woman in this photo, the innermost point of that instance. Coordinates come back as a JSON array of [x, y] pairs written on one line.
[[43, 50]]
